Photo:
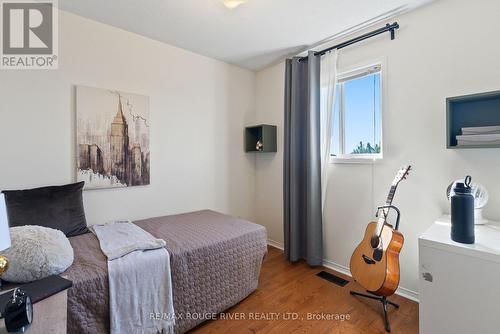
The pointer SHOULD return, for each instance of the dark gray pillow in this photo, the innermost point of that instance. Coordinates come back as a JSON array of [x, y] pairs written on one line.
[[58, 207]]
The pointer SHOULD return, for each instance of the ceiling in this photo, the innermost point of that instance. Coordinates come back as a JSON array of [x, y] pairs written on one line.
[[253, 35]]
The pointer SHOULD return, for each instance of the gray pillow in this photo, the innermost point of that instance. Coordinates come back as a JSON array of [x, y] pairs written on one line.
[[36, 252], [59, 207]]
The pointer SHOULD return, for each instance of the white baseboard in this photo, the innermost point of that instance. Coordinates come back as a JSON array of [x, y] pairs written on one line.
[[401, 291], [275, 244]]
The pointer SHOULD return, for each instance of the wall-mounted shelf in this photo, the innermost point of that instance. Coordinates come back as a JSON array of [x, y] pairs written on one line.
[[471, 111], [264, 133]]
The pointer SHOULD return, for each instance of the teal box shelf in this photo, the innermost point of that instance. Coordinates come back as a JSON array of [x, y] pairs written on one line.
[[264, 133], [470, 111]]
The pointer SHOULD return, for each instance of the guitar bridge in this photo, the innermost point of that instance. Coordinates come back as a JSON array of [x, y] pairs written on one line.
[[368, 260]]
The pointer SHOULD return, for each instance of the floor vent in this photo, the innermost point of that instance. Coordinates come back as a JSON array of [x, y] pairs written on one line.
[[332, 278]]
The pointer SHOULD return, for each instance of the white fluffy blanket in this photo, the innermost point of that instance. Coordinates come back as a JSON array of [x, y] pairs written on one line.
[[140, 288]]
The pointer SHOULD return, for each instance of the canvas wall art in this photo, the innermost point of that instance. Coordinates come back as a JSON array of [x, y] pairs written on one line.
[[112, 138]]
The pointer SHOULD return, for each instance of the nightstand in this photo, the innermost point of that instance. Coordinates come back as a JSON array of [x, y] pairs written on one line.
[[459, 283], [50, 299]]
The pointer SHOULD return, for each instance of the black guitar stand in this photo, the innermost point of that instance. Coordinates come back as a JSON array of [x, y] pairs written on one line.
[[373, 295], [383, 300]]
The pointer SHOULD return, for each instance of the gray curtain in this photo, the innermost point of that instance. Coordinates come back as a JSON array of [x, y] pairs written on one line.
[[302, 161]]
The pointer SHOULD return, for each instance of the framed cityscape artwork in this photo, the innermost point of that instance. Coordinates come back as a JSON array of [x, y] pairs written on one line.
[[112, 138]]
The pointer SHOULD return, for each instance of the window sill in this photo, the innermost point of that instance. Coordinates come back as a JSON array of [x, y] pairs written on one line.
[[349, 159]]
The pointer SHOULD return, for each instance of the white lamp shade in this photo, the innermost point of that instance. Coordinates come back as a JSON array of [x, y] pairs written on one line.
[[4, 225]]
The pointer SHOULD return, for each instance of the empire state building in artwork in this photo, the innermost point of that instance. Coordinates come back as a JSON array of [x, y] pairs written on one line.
[[115, 154], [119, 141]]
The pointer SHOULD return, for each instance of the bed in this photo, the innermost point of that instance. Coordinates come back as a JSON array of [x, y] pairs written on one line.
[[215, 263]]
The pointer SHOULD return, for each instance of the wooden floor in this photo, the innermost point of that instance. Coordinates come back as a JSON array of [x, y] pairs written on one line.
[[293, 290]]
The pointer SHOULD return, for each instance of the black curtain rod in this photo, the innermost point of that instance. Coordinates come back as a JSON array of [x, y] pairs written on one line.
[[388, 28]]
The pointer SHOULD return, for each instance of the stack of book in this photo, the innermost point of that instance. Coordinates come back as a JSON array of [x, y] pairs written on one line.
[[480, 135]]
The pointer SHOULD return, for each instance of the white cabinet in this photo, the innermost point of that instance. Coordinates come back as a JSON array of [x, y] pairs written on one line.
[[459, 283]]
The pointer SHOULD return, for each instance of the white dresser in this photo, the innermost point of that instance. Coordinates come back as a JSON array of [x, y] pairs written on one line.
[[459, 283]]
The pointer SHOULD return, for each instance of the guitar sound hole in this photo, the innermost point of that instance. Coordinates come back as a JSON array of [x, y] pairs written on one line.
[[374, 241]]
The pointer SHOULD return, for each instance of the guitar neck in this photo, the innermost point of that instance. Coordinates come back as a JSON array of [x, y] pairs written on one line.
[[402, 173], [383, 216], [391, 194]]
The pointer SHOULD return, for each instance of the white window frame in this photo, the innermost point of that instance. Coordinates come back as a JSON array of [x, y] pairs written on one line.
[[348, 74]]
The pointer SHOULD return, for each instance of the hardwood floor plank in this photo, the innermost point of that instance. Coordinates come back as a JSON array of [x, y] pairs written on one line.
[[292, 299]]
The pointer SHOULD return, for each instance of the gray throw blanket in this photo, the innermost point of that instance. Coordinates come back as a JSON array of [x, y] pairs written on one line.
[[140, 288]]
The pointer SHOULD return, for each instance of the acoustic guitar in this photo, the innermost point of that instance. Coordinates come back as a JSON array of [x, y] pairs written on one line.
[[375, 262]]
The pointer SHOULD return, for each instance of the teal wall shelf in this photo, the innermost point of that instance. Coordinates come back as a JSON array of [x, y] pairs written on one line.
[[263, 132], [470, 111]]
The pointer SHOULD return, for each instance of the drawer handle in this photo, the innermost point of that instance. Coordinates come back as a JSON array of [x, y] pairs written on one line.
[[427, 277]]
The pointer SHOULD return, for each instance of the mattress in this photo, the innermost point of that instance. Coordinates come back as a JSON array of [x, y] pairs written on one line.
[[215, 262]]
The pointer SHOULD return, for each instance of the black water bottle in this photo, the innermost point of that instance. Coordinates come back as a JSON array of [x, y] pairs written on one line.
[[462, 213]]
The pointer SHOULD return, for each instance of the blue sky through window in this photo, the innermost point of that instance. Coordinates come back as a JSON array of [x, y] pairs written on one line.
[[361, 113]]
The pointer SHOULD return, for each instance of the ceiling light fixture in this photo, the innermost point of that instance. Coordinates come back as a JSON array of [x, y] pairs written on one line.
[[231, 4]]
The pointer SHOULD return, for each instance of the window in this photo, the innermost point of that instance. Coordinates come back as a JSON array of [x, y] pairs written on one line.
[[357, 129]]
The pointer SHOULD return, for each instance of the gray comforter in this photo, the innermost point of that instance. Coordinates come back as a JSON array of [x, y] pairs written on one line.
[[215, 263]]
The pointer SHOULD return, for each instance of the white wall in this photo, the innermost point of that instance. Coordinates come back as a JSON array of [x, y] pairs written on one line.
[[199, 107], [445, 49]]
